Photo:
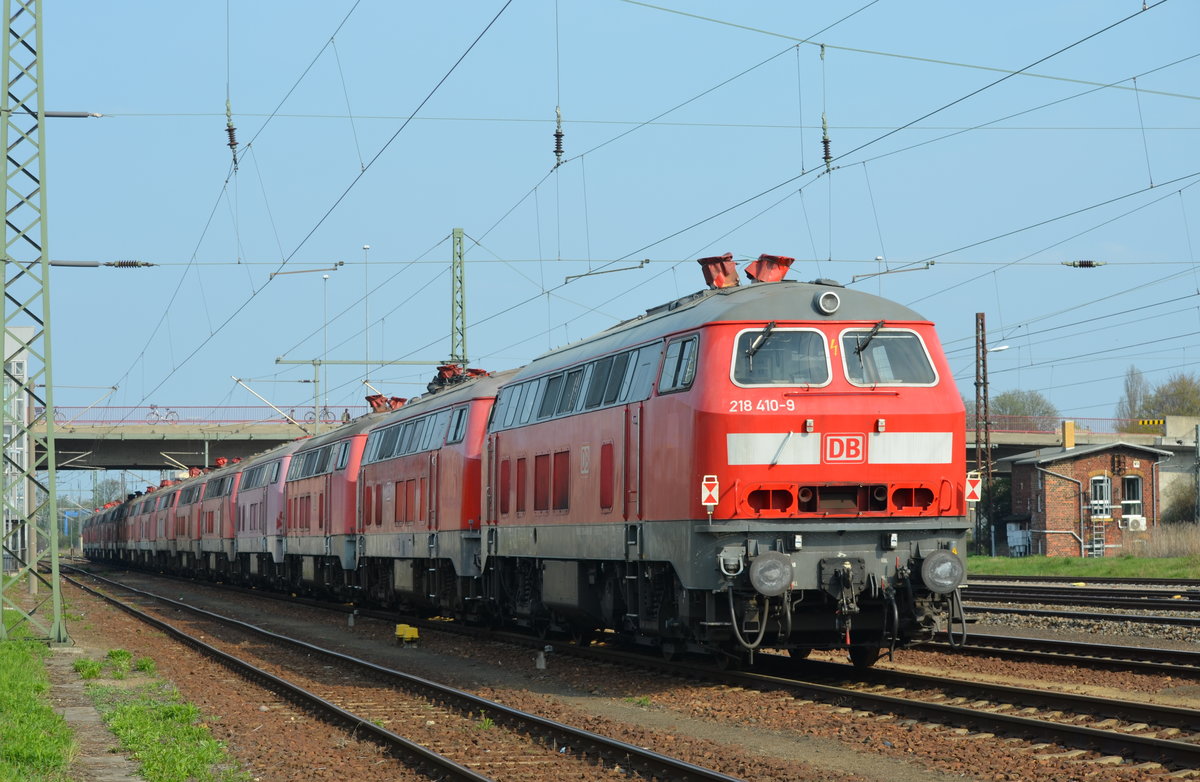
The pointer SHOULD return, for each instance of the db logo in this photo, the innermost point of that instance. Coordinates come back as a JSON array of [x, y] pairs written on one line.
[[845, 448]]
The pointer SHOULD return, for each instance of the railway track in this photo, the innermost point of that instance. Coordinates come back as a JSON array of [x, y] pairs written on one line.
[[1169, 661], [1171, 583], [348, 692], [1081, 726], [1094, 616], [1113, 598]]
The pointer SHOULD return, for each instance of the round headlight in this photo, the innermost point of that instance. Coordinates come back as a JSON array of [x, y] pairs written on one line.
[[771, 573], [942, 572], [827, 302]]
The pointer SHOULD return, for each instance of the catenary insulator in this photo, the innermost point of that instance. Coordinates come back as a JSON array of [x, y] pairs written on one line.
[[828, 156], [558, 137]]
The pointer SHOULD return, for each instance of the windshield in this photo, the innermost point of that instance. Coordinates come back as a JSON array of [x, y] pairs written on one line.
[[882, 357], [786, 357]]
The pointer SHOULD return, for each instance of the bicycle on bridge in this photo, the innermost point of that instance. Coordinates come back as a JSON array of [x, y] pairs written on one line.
[[327, 416], [161, 414]]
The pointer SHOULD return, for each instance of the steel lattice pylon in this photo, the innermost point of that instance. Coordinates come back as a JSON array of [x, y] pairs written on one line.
[[458, 302], [30, 529]]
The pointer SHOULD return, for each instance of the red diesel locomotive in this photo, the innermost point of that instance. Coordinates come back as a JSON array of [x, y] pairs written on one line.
[[770, 465]]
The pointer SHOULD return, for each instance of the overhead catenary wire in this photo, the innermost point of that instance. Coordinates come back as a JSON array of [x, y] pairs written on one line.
[[244, 304], [642, 249], [666, 262], [346, 94], [880, 137], [1048, 221], [808, 40], [163, 318]]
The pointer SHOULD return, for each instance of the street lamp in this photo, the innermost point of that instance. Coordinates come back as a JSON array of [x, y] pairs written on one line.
[[324, 345], [366, 248]]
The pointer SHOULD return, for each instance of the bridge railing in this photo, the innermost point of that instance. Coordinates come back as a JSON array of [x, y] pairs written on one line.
[[197, 415], [1044, 424], [207, 414]]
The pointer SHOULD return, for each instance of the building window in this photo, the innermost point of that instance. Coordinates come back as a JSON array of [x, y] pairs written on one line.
[[1131, 491], [1101, 496]]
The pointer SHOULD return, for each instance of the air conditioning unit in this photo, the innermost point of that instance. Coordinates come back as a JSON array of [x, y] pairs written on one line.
[[1135, 523]]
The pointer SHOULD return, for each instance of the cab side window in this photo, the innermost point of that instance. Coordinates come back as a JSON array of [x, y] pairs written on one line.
[[679, 365]]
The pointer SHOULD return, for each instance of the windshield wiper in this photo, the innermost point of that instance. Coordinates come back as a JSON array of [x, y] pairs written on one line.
[[863, 342], [759, 341]]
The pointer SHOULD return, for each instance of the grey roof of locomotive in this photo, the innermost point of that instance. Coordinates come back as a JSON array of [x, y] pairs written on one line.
[[786, 300]]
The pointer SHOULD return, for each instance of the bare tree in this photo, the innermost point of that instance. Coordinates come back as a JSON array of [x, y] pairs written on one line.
[[1133, 403], [1179, 395], [1024, 410]]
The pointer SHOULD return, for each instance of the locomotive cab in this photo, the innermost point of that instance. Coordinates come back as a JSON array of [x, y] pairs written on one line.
[[838, 441]]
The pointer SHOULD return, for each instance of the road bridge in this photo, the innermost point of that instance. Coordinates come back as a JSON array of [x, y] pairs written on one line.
[[158, 438], [162, 438]]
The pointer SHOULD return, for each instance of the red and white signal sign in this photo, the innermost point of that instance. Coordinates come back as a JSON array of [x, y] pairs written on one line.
[[710, 490], [973, 488]]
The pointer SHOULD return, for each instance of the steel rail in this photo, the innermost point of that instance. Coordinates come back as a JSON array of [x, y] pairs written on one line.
[[1095, 739], [426, 760], [1151, 658], [1183, 621], [1156, 714], [1177, 583], [1182, 600], [581, 741]]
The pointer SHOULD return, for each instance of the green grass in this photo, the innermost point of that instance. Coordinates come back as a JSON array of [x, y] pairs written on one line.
[[164, 734], [119, 661], [1085, 568], [35, 743]]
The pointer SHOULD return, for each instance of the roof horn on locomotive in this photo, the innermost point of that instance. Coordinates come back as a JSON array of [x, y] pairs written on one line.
[[769, 268], [450, 374], [721, 272]]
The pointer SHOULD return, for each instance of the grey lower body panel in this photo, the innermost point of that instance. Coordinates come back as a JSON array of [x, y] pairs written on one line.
[[696, 548], [459, 547]]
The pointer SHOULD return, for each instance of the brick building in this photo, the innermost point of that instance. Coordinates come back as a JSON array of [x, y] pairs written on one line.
[[1085, 500]]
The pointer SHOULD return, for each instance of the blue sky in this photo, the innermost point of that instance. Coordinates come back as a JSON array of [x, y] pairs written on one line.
[[995, 141]]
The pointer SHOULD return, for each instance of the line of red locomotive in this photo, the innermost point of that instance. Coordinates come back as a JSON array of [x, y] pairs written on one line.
[[770, 465]]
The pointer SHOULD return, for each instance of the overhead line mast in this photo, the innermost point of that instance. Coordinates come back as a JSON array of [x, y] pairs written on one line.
[[458, 302], [30, 526]]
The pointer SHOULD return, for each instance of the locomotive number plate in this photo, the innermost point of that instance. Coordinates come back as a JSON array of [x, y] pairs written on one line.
[[762, 405]]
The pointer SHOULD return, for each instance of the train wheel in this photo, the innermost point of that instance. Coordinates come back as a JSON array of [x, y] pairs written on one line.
[[799, 652], [728, 661], [671, 650], [863, 656]]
